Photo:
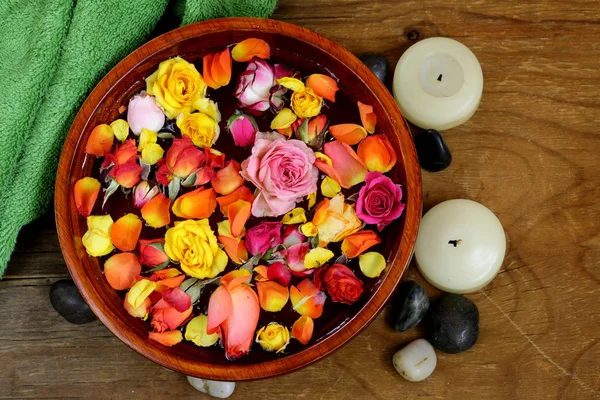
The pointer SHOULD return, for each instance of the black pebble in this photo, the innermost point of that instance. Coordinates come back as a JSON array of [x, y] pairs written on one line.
[[434, 154], [67, 301], [453, 323], [411, 304], [377, 64]]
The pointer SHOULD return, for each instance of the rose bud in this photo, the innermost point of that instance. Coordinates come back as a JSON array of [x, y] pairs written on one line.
[[243, 128], [143, 193], [254, 86], [143, 112]]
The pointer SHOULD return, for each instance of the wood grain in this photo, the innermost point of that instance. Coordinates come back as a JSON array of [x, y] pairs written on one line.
[[530, 153]]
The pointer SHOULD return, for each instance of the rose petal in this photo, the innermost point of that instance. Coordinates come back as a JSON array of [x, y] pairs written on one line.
[[280, 273], [197, 204], [261, 273], [195, 331], [169, 283], [330, 187], [178, 299], [156, 211], [323, 85], [228, 179], [219, 308], [235, 249], [169, 338], [317, 257], [96, 239], [296, 216], [217, 69], [367, 117], [272, 296], [236, 278], [371, 264], [377, 153], [139, 312], [354, 245], [120, 129], [152, 253], [348, 133], [347, 167], [140, 291], [152, 153], [307, 299], [284, 119], [302, 330], [86, 192], [121, 270], [238, 213], [247, 49], [125, 232], [243, 193], [100, 140], [293, 84]]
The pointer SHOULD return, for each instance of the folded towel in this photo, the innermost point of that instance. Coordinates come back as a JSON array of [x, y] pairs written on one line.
[[52, 53]]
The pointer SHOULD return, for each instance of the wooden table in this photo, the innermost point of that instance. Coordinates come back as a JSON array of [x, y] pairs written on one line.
[[531, 154]]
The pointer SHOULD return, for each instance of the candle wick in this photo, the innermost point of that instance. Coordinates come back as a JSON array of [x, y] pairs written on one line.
[[455, 242], [439, 79]]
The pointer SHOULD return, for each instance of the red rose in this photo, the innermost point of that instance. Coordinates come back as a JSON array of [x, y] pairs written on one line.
[[152, 253], [339, 282]]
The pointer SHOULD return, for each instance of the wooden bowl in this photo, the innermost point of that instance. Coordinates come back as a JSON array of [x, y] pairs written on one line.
[[295, 46]]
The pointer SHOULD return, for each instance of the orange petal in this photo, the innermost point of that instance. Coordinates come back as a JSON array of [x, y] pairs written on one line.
[[236, 278], [348, 133], [100, 140], [207, 62], [238, 213], [217, 69], [86, 192], [302, 330], [323, 85], [219, 308], [166, 273], [377, 153], [367, 117], [169, 283], [242, 192], [307, 299], [261, 273], [349, 169], [356, 244], [141, 311], [228, 179], [197, 204], [272, 296], [236, 250], [247, 49], [121, 270], [126, 232], [156, 211], [169, 338]]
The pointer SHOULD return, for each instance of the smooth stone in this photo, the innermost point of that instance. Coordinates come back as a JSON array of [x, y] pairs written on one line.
[[411, 305], [453, 323], [416, 361], [377, 63], [434, 154], [219, 389], [67, 301]]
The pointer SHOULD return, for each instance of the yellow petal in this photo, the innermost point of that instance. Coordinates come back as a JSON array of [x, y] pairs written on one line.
[[140, 292], [293, 84], [322, 157], [283, 119], [312, 200], [195, 331], [309, 229], [146, 137], [121, 129], [97, 240], [317, 257], [208, 107], [296, 216], [329, 187], [371, 264], [152, 153]]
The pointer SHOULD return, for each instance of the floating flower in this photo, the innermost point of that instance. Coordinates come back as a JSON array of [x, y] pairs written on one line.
[[283, 119], [377, 153], [305, 102], [307, 299], [371, 264], [254, 85], [272, 296], [100, 140], [123, 154], [263, 237], [233, 311], [282, 170], [195, 331], [348, 133], [323, 85], [302, 330], [294, 257], [379, 201], [355, 244], [247, 49], [335, 219], [243, 129], [96, 239], [197, 204], [143, 193], [152, 253], [273, 337], [156, 211], [126, 175], [194, 245], [202, 129], [296, 216], [86, 192], [166, 317], [340, 283], [169, 338], [138, 312], [176, 85], [342, 164], [208, 107], [121, 270], [228, 179], [182, 159], [143, 112], [217, 69], [330, 187], [279, 273], [125, 232], [120, 129], [367, 117], [317, 257], [243, 193], [312, 132]]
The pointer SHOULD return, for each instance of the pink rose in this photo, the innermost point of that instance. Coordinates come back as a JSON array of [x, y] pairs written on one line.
[[294, 258], [243, 129], [379, 200], [283, 171], [253, 88], [143, 112], [263, 237]]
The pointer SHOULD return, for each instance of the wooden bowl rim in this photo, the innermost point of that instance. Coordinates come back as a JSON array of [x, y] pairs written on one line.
[[315, 352]]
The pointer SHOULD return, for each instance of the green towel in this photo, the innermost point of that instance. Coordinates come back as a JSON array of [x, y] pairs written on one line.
[[52, 53]]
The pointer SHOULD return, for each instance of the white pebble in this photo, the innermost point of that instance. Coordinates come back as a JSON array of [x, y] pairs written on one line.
[[416, 361], [219, 389]]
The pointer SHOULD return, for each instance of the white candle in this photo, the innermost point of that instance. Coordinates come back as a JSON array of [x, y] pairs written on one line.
[[460, 246], [438, 83]]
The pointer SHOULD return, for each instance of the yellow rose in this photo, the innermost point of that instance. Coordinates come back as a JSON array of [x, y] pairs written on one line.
[[335, 220], [194, 245], [97, 240], [176, 85], [202, 129], [306, 103], [273, 337]]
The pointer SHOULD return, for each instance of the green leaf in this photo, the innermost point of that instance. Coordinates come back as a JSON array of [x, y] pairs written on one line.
[[174, 187], [112, 188]]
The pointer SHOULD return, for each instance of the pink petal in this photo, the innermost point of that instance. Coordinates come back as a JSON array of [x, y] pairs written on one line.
[[347, 165], [177, 298], [279, 273], [240, 326], [220, 306]]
